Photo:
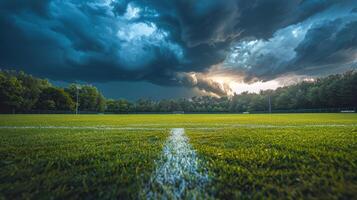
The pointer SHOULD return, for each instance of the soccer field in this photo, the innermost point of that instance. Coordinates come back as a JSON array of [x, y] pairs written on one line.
[[204, 156]]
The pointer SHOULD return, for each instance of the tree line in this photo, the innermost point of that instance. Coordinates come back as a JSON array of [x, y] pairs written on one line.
[[22, 93]]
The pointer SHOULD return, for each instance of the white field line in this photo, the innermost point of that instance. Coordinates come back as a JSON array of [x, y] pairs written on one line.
[[148, 127], [179, 174], [100, 127], [167, 126], [81, 127], [220, 125], [291, 126]]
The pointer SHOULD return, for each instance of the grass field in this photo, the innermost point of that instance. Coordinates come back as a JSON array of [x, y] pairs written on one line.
[[222, 156]]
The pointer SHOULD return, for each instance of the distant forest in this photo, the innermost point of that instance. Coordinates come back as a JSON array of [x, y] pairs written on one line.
[[23, 93]]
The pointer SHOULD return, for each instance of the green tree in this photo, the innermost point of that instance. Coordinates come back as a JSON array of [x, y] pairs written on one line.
[[112, 106], [10, 93], [145, 105], [90, 99], [52, 98], [32, 88]]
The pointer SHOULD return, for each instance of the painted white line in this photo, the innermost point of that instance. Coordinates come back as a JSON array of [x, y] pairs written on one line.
[[227, 125], [149, 127], [292, 126], [179, 173], [81, 127]]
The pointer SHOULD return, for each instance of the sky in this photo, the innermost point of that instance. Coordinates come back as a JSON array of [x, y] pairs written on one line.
[[178, 48]]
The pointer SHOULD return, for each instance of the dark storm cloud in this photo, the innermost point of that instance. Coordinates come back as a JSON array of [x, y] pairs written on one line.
[[330, 46], [327, 44], [72, 41], [38, 7], [102, 40], [323, 44], [212, 21], [201, 82]]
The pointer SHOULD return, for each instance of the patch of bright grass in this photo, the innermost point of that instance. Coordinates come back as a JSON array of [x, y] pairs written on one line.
[[178, 120]]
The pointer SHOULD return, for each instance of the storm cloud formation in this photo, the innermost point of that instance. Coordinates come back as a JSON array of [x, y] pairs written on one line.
[[176, 43]]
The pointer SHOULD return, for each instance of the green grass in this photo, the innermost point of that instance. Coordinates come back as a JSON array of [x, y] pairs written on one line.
[[78, 164], [291, 159], [170, 120], [280, 162]]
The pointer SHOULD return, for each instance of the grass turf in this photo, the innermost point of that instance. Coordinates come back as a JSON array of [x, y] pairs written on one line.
[[42, 164], [287, 163], [170, 120], [244, 162]]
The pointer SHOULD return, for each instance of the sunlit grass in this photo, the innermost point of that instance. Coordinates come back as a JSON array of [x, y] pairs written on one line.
[[172, 120]]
